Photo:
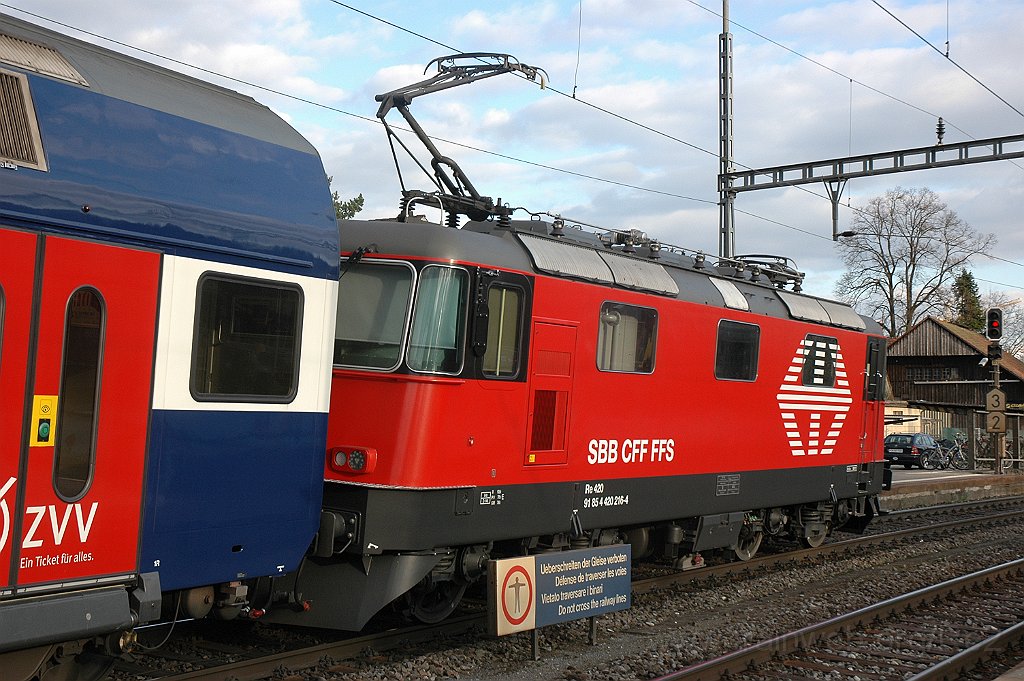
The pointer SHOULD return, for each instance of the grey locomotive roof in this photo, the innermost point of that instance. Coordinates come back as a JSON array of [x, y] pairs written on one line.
[[568, 259], [140, 82], [523, 248]]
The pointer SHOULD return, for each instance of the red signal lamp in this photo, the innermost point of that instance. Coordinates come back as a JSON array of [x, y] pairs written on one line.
[[994, 323]]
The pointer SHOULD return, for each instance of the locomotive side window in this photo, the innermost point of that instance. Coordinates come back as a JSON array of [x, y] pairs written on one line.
[[373, 311], [78, 399], [438, 337], [504, 312], [737, 351], [626, 338], [246, 340], [820, 361]]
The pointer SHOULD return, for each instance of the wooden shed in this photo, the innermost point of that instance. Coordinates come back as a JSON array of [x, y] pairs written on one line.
[[944, 370]]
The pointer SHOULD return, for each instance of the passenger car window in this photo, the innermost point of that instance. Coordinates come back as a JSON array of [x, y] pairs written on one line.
[[246, 345], [737, 351], [78, 398], [373, 311], [626, 338], [438, 336]]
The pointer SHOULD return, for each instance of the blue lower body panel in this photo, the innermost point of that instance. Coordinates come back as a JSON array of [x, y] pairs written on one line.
[[231, 495]]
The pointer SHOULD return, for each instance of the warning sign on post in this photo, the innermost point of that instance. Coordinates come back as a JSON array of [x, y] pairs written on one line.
[[536, 591]]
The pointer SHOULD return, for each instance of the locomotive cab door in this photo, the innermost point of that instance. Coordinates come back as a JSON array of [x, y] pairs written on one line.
[[874, 401], [77, 361]]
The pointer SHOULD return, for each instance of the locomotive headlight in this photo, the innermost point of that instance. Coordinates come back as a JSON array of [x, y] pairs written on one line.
[[352, 460]]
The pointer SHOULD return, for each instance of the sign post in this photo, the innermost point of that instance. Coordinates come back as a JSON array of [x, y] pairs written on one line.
[[995, 399]]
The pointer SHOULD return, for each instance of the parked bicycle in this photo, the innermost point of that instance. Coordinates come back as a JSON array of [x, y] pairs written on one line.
[[950, 454], [985, 457]]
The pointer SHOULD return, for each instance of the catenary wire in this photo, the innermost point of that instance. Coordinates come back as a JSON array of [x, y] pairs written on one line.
[[950, 59], [658, 132], [459, 144], [829, 68], [335, 109]]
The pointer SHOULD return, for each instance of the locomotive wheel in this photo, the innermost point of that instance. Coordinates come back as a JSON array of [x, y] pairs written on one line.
[[50, 663], [747, 543], [814, 538], [432, 602]]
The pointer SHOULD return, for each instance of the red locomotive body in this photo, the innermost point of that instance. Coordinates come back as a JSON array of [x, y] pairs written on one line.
[[498, 390]]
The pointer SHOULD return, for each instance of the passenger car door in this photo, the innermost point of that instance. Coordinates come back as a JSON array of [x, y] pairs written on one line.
[[79, 442]]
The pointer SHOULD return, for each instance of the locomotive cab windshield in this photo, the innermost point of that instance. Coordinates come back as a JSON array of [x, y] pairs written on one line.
[[437, 339], [396, 317]]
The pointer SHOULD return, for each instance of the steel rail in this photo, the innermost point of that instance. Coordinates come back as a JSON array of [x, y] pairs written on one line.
[[741, 660], [955, 666], [738, 567], [263, 667]]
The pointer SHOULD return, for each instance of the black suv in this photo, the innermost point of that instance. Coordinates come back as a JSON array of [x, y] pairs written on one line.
[[909, 449]]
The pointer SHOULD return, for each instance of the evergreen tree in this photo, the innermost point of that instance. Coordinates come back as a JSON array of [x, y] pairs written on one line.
[[345, 209], [967, 309]]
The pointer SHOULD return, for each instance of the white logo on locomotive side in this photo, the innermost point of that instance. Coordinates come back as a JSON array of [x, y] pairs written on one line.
[[653, 450], [813, 415]]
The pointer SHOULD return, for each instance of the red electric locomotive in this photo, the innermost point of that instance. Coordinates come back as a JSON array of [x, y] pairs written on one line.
[[519, 386]]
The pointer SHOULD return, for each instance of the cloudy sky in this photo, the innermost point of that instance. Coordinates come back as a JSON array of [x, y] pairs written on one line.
[[637, 146]]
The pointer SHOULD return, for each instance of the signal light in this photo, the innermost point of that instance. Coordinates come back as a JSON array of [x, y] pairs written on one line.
[[994, 323], [352, 461]]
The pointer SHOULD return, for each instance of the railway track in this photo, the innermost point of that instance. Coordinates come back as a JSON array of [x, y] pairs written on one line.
[[225, 661], [960, 509], [264, 666], [939, 632], [734, 568]]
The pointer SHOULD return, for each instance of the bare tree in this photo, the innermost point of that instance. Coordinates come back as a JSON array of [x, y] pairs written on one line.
[[907, 250]]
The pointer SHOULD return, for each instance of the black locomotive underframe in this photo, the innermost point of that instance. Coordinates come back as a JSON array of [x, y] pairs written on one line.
[[408, 520], [400, 535]]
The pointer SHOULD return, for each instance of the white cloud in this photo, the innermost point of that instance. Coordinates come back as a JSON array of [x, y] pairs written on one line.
[[652, 62]]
